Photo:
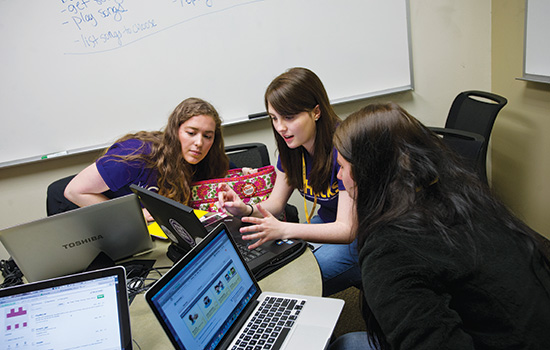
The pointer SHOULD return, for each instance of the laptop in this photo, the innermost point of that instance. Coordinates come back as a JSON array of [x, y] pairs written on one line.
[[211, 300], [185, 230], [69, 242], [83, 311]]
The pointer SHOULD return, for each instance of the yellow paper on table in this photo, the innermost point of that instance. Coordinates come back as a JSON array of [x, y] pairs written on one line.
[[157, 232]]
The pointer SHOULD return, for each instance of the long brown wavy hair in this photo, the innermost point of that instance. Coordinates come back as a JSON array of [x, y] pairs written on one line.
[[295, 91], [175, 174]]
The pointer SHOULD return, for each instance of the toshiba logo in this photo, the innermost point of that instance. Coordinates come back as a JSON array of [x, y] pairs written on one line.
[[82, 242]]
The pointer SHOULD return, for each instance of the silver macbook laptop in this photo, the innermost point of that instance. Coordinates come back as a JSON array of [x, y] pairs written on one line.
[[211, 300], [69, 242], [84, 311]]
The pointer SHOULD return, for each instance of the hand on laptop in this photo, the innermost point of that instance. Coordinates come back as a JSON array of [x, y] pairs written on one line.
[[229, 201], [265, 229]]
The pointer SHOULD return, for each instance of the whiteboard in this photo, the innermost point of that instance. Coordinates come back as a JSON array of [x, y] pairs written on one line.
[[536, 65], [76, 75]]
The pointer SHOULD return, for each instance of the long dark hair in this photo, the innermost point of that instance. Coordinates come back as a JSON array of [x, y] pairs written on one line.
[[406, 178], [175, 174], [295, 91]]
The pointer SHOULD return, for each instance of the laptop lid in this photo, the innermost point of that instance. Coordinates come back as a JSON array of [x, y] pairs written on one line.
[[185, 230], [205, 295], [87, 310], [68, 242], [178, 222]]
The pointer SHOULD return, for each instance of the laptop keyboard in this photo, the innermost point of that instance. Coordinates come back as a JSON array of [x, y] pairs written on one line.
[[249, 254], [270, 325]]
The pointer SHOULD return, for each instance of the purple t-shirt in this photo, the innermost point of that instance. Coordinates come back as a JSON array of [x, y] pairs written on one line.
[[327, 200], [119, 175]]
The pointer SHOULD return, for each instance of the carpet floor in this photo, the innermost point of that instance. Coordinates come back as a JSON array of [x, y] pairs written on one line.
[[350, 319]]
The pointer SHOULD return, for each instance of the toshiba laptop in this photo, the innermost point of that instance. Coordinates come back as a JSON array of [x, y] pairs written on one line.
[[83, 311], [211, 300], [185, 230], [69, 242]]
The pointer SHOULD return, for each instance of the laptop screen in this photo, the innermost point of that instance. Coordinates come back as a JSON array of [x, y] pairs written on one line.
[[205, 295], [67, 313]]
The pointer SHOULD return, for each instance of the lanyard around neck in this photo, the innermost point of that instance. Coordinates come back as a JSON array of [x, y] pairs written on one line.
[[309, 215]]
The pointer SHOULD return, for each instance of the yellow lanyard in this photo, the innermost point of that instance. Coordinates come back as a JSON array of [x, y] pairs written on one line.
[[309, 215]]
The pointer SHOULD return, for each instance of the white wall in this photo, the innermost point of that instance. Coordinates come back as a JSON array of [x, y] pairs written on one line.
[[451, 43]]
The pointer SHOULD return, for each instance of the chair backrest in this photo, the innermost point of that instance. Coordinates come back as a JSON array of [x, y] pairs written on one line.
[[252, 155], [475, 111], [55, 199]]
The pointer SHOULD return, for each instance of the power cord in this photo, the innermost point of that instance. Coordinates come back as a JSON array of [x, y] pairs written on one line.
[[11, 273], [141, 282]]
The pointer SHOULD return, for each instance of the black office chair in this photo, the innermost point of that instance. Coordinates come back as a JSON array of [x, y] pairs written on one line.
[[252, 155], [55, 199], [475, 112]]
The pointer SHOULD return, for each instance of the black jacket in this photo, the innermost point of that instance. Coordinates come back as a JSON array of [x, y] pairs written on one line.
[[426, 295]]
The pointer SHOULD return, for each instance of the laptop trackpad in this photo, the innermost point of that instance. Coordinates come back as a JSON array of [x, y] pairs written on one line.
[[307, 337]]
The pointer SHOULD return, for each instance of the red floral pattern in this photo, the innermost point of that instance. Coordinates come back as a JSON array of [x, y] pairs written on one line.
[[252, 188]]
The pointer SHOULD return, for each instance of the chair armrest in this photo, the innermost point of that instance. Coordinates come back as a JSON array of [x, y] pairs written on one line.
[[461, 134]]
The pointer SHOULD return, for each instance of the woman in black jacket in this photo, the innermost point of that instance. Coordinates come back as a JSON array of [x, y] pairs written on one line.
[[444, 264]]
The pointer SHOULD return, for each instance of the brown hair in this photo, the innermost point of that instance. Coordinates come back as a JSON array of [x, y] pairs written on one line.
[[175, 174], [295, 91]]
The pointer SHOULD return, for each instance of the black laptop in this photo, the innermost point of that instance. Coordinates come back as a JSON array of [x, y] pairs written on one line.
[[88, 310], [185, 230]]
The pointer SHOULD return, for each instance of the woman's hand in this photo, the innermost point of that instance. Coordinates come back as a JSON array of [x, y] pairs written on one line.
[[229, 200], [148, 217], [248, 171], [263, 229]]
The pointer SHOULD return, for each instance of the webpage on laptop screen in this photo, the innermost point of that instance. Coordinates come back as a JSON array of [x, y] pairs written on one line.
[[204, 299], [79, 315]]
